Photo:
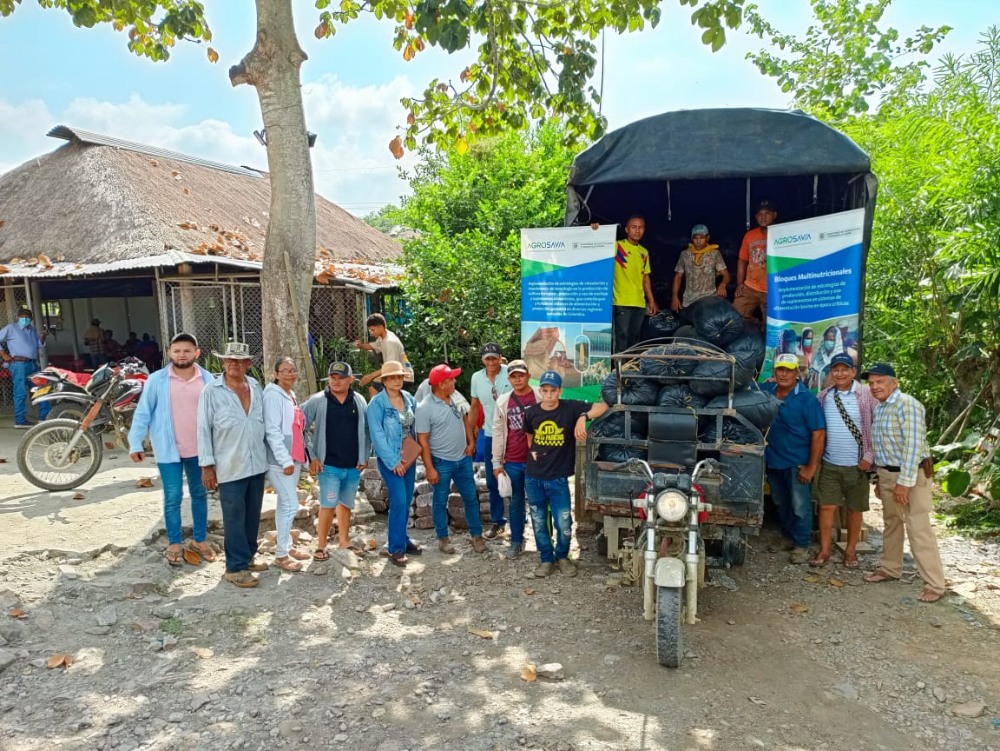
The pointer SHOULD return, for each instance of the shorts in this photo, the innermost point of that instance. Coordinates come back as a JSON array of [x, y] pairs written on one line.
[[338, 487], [848, 487]]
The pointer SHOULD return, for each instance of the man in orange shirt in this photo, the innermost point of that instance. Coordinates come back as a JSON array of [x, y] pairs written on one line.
[[751, 270]]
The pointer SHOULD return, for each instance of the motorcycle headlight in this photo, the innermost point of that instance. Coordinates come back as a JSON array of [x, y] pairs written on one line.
[[671, 505]]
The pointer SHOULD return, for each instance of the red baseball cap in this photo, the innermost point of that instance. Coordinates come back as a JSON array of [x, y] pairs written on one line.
[[440, 373]]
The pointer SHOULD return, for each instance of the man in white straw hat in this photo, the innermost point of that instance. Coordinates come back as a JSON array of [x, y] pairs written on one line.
[[233, 459]]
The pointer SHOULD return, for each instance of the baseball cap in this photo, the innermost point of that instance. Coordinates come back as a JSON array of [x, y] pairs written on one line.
[[766, 205], [880, 368], [787, 360], [440, 373], [517, 366], [699, 229], [183, 336], [842, 359], [492, 349], [341, 369], [550, 378]]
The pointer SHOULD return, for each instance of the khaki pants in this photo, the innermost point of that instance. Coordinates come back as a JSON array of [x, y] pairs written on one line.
[[915, 517], [750, 301]]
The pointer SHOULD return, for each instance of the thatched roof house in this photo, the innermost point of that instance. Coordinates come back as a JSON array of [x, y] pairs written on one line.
[[98, 204]]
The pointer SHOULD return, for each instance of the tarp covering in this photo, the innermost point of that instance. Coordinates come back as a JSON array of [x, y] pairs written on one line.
[[714, 143]]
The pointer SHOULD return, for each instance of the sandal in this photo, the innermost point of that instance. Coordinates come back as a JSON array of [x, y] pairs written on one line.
[[203, 549], [929, 595], [820, 560], [414, 548], [321, 554], [398, 559], [851, 562], [358, 551], [174, 555], [287, 564], [878, 576], [299, 555]]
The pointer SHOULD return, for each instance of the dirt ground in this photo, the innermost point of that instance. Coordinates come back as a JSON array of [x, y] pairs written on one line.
[[372, 657]]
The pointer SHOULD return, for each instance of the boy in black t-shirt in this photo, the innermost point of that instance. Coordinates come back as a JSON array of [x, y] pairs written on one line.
[[552, 427]]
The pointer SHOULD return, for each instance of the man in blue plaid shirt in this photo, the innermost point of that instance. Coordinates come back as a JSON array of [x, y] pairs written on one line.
[[899, 437]]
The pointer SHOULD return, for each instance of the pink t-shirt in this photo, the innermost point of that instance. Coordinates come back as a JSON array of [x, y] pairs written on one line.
[[298, 443], [184, 410]]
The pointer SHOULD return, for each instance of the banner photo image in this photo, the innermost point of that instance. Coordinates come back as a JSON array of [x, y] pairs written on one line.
[[566, 276], [814, 292]]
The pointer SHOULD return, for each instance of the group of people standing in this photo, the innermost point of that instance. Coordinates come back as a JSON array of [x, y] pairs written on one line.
[[832, 446]]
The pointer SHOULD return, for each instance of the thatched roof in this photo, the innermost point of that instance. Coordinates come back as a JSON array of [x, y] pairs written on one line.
[[100, 201]]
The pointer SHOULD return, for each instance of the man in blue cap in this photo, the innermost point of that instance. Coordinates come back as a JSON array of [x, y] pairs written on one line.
[[19, 347], [552, 428]]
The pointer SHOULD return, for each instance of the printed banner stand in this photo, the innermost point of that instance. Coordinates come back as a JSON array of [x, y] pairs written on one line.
[[566, 277], [814, 292]]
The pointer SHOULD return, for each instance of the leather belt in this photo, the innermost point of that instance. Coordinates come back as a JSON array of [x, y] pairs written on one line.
[[890, 469], [18, 358]]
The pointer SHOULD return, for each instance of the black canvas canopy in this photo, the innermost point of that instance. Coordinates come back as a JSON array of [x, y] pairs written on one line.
[[713, 166]]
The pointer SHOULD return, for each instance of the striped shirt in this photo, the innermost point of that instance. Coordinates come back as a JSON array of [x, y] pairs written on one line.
[[900, 436], [841, 448]]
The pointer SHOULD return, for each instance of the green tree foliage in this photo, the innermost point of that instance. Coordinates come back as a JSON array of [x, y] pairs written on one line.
[[845, 59], [463, 271]]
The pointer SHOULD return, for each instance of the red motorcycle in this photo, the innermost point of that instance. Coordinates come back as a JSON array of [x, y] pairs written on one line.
[[66, 391]]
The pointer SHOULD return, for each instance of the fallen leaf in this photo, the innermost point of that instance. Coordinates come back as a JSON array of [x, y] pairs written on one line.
[[371, 543], [3, 459], [187, 190], [60, 660], [4, 270], [529, 673], [154, 162], [811, 579], [2, 222], [191, 556], [188, 225], [836, 582], [18, 613], [758, 702], [798, 607], [109, 445], [203, 652], [144, 482], [78, 496], [529, 591], [482, 633]]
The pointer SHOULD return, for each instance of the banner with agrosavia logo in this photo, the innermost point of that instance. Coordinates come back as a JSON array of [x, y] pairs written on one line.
[[566, 275], [814, 291]]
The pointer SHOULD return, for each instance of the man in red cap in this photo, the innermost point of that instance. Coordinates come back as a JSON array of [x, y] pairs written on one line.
[[447, 454]]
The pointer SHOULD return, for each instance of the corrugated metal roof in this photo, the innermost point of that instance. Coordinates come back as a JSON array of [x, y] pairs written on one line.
[[85, 136]]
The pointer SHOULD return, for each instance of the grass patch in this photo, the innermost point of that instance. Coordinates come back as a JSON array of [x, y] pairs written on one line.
[[978, 518], [173, 626]]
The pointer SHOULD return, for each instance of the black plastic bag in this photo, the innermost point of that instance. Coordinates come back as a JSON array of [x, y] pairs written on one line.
[[679, 365], [759, 407], [612, 425], [681, 396], [664, 323], [716, 319], [748, 348], [609, 452], [634, 390], [732, 430], [718, 372]]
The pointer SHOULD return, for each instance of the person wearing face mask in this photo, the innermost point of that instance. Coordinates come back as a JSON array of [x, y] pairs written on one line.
[[805, 348], [819, 367], [19, 346]]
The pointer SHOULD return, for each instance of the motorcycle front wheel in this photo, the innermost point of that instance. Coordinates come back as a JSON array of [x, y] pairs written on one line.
[[46, 461], [669, 639], [67, 411]]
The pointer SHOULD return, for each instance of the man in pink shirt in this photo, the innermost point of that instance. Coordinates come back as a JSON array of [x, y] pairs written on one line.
[[168, 414]]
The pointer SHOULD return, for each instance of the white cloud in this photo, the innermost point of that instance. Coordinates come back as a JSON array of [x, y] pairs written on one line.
[[23, 127]]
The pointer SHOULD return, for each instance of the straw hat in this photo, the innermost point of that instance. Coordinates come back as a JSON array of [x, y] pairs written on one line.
[[235, 351], [393, 368]]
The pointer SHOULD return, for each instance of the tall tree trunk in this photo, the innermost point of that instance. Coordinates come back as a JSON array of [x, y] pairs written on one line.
[[272, 68]]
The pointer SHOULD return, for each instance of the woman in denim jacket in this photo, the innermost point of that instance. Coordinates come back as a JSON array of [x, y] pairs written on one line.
[[390, 418], [286, 453]]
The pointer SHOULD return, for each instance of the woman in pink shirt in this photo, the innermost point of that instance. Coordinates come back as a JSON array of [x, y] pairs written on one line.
[[286, 453]]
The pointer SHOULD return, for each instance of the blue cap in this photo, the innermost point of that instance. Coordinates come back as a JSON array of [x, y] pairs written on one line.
[[880, 368], [842, 358], [699, 229], [550, 378]]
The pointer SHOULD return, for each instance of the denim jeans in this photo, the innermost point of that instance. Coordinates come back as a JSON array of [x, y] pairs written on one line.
[[286, 487], [793, 501], [627, 325], [496, 500], [546, 496], [465, 480], [19, 372], [338, 486], [240, 501], [172, 476], [515, 471], [400, 499]]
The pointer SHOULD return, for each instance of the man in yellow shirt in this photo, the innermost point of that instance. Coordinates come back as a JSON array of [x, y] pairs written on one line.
[[632, 289]]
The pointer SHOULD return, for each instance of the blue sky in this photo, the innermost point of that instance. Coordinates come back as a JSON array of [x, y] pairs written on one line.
[[53, 73]]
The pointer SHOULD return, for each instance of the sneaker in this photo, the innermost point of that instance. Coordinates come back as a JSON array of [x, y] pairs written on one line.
[[516, 548], [495, 531], [445, 546], [567, 567], [242, 579], [256, 564], [23, 425], [543, 570], [479, 544], [781, 547], [799, 556]]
